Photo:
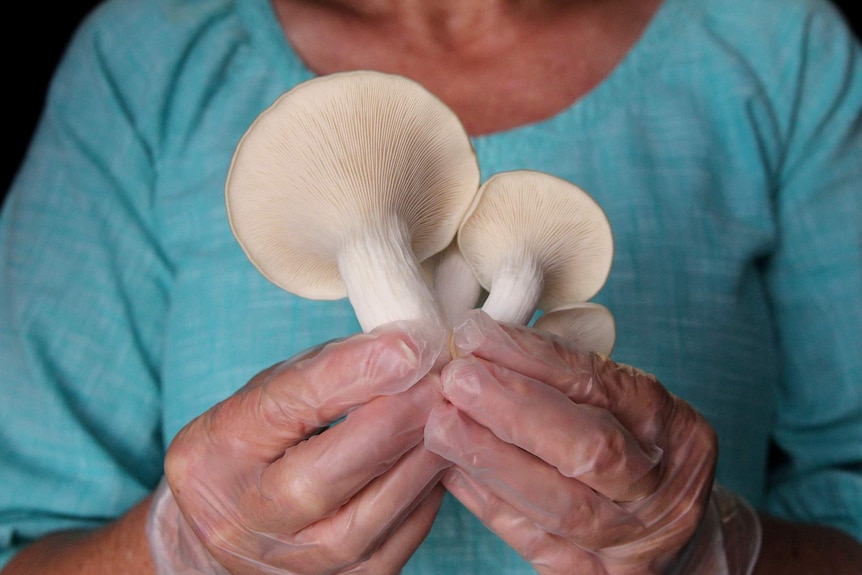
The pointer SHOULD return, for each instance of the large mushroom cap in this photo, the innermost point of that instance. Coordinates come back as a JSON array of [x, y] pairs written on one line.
[[530, 218], [334, 157]]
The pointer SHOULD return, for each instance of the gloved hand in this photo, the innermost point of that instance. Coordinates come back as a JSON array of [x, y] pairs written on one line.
[[261, 483], [581, 464]]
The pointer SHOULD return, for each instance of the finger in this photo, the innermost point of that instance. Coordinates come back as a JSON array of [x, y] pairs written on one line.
[[579, 440], [548, 553], [399, 547], [364, 523], [286, 403], [320, 389], [672, 513], [557, 504], [636, 398], [316, 477]]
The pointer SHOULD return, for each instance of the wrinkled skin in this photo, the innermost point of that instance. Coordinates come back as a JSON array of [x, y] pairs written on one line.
[[581, 464], [269, 487]]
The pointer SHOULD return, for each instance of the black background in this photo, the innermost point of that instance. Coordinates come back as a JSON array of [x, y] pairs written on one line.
[[35, 39]]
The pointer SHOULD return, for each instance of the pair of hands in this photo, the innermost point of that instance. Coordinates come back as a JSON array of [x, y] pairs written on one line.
[[579, 463]]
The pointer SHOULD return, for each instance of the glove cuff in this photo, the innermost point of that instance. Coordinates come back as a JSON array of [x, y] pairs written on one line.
[[728, 540], [175, 548]]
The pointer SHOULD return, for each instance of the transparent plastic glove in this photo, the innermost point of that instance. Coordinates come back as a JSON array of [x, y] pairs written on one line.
[[581, 464], [261, 484]]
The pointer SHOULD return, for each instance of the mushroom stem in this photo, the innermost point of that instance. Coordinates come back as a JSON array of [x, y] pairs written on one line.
[[454, 283], [384, 280], [517, 288]]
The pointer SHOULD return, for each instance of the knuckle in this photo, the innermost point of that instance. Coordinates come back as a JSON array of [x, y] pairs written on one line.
[[351, 548], [492, 510], [185, 460], [577, 518], [611, 445], [604, 451], [302, 497], [272, 411], [534, 547]]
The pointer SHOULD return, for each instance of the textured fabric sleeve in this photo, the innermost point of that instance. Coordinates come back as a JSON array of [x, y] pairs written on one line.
[[83, 293], [815, 279]]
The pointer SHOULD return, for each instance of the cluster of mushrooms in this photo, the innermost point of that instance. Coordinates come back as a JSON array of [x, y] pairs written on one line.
[[365, 185]]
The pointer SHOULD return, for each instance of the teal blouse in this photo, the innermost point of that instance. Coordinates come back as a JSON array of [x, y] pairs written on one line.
[[726, 150]]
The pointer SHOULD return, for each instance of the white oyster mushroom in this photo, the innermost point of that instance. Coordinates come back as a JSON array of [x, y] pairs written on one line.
[[585, 326], [454, 282], [535, 241], [345, 184]]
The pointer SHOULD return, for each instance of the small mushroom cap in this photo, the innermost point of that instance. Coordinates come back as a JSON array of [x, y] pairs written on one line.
[[337, 158], [528, 218], [586, 326]]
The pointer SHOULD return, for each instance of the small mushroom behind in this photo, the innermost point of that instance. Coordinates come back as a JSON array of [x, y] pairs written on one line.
[[345, 184], [586, 326], [535, 241], [453, 281]]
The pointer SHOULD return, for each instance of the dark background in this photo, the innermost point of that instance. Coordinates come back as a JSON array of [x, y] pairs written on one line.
[[34, 42]]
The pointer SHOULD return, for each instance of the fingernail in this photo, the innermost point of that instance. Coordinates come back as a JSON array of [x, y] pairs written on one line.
[[654, 453], [422, 343], [476, 327], [460, 381], [438, 430]]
